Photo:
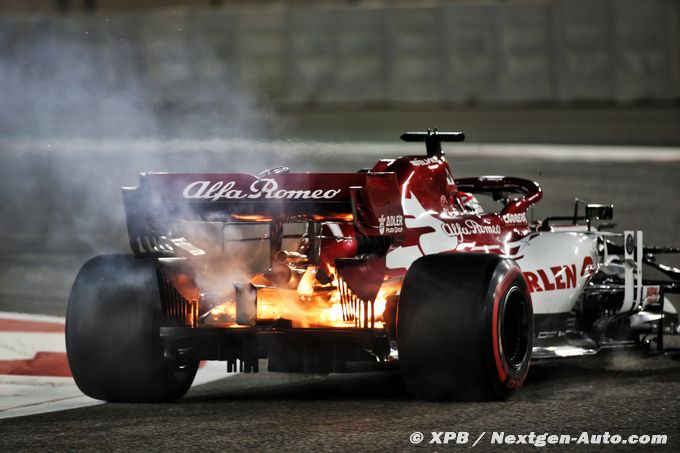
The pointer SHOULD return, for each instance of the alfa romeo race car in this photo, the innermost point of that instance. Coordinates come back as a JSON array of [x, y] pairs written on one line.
[[399, 266]]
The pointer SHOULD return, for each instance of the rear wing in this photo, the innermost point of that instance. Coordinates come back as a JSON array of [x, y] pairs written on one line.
[[161, 200]]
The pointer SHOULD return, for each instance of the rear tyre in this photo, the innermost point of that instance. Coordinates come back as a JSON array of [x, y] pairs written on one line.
[[464, 327], [113, 334]]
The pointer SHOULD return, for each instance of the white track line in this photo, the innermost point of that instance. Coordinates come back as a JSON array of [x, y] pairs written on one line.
[[30, 395], [24, 345], [588, 153], [31, 317]]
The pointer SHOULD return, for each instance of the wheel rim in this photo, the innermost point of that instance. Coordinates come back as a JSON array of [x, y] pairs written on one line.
[[514, 334]]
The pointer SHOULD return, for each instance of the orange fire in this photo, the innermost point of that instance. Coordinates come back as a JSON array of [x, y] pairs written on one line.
[[227, 309], [251, 218], [309, 305], [338, 217]]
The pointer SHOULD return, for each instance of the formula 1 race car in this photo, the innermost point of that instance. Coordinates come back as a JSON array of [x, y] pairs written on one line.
[[396, 266]]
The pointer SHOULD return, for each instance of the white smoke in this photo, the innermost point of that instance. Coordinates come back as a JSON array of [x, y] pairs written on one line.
[[89, 102]]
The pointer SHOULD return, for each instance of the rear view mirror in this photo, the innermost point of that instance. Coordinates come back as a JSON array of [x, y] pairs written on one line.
[[599, 211]]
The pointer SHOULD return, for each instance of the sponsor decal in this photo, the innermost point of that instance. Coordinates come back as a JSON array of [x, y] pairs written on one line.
[[468, 228], [391, 224], [544, 335], [558, 277], [555, 278], [264, 188], [428, 161], [520, 217]]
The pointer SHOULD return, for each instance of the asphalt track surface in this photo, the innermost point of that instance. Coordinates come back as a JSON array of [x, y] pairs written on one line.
[[623, 393], [54, 216]]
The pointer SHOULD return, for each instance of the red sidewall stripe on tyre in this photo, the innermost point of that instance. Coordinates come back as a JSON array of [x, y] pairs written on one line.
[[501, 366]]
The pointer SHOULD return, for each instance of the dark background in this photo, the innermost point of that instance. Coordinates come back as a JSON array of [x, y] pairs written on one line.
[[546, 71]]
